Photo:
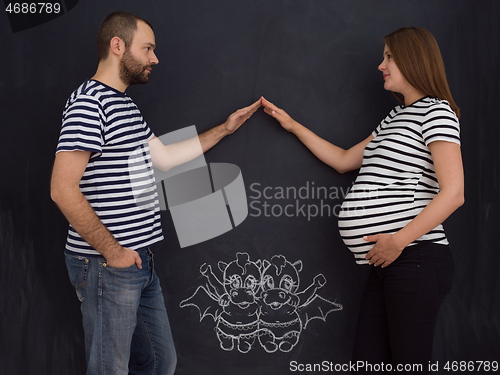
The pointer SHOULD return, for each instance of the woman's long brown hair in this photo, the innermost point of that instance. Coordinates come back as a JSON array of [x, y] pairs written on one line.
[[419, 59]]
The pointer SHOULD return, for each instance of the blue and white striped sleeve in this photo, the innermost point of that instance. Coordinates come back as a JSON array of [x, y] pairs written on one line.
[[82, 126]]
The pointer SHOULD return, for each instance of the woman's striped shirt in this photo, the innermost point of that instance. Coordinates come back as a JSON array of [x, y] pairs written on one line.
[[397, 179], [119, 179]]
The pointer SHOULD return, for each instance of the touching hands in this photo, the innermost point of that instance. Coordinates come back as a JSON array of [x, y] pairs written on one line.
[[238, 118]]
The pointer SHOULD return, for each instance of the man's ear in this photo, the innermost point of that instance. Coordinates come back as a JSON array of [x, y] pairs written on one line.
[[116, 46]]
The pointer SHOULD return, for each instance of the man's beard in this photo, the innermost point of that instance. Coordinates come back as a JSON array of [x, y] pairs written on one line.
[[132, 71]]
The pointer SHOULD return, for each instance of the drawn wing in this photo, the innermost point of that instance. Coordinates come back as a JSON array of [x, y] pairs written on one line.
[[206, 302], [317, 308]]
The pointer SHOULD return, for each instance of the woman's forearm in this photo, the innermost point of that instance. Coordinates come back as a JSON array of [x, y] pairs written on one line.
[[336, 157], [434, 214]]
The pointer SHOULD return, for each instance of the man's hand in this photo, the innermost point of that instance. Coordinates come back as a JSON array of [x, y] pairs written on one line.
[[385, 251], [123, 258], [238, 118], [211, 137]]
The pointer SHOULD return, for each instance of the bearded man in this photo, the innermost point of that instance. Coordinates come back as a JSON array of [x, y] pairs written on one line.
[[107, 251]]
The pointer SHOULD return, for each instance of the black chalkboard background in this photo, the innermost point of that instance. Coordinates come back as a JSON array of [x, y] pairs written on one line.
[[317, 60]]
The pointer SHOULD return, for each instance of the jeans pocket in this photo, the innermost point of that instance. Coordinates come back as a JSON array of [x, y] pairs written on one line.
[[77, 271], [131, 268]]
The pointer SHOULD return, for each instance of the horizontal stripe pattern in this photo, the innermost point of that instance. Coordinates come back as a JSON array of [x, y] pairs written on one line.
[[119, 179], [397, 179]]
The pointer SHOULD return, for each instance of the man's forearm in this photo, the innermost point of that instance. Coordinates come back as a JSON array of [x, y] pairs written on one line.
[[165, 157], [84, 220], [211, 137]]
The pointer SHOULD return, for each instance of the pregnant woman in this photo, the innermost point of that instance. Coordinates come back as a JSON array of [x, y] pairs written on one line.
[[410, 180]]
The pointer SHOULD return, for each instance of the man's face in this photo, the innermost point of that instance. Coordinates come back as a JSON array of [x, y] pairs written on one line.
[[139, 58]]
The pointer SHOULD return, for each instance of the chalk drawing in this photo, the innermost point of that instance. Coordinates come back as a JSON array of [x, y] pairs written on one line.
[[259, 303]]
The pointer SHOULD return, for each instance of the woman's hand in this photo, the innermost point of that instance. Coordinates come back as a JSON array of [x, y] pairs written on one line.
[[385, 251], [283, 118], [336, 157]]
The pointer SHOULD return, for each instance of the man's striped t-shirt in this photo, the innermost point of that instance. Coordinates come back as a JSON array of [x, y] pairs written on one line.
[[397, 179], [119, 179]]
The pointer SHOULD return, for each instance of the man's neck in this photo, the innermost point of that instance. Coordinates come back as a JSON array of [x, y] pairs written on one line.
[[109, 76]]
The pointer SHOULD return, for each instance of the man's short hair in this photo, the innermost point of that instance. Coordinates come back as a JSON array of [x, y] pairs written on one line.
[[121, 24]]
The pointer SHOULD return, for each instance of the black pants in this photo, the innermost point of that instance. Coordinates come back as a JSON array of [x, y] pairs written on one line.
[[400, 308]]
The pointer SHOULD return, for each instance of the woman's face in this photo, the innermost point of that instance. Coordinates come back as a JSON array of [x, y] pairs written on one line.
[[394, 79]]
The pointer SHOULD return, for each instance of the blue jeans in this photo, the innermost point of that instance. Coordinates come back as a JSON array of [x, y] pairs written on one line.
[[124, 317]]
